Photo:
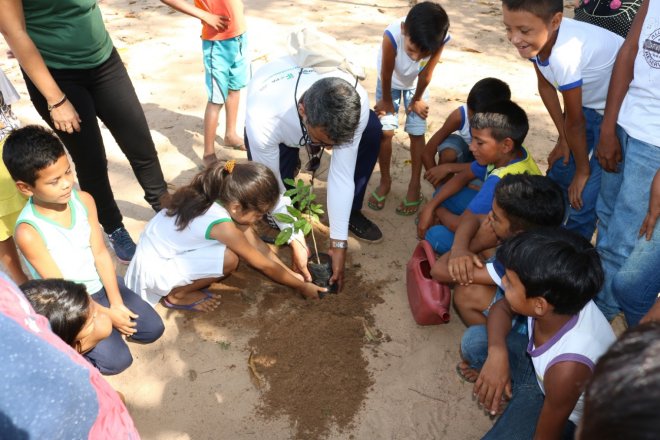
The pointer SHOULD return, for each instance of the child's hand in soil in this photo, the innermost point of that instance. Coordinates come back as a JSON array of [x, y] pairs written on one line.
[[494, 381], [384, 107], [420, 107], [122, 319], [461, 266], [311, 291]]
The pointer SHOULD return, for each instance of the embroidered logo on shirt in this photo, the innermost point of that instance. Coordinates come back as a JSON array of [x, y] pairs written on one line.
[[651, 49]]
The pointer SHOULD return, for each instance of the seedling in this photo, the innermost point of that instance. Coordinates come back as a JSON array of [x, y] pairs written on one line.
[[301, 218]]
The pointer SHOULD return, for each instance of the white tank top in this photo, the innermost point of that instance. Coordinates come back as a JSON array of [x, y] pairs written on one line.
[[583, 339], [69, 247], [640, 111]]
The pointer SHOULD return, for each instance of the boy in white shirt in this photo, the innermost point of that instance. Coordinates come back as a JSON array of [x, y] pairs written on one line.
[[410, 51], [576, 59]]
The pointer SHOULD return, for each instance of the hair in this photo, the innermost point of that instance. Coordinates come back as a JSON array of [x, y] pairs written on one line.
[[623, 397], [64, 303], [487, 92], [334, 105], [252, 185], [505, 119], [558, 265], [530, 201], [426, 25], [544, 9], [29, 150]]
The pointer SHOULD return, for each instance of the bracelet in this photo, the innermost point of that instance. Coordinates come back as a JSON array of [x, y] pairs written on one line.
[[59, 103], [338, 244]]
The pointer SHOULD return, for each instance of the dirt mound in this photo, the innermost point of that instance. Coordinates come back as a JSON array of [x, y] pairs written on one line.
[[307, 357]]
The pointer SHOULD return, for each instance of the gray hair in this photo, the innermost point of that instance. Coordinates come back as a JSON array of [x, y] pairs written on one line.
[[334, 105]]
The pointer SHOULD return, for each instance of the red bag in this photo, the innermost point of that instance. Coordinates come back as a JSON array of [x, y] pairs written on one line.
[[429, 300]]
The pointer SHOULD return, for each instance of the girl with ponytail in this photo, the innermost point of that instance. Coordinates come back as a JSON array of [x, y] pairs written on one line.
[[202, 233]]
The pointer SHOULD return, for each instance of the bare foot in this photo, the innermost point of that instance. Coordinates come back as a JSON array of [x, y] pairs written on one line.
[[235, 142], [466, 373], [197, 300], [209, 160]]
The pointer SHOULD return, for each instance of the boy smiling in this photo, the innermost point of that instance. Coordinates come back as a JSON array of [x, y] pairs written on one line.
[[576, 59]]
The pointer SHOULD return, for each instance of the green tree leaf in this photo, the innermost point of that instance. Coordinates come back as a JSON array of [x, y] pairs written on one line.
[[284, 218], [284, 236]]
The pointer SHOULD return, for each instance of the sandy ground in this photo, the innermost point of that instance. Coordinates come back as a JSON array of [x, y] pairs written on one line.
[[193, 383]]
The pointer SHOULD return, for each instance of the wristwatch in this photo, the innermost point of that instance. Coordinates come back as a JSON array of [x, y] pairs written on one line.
[[338, 244]]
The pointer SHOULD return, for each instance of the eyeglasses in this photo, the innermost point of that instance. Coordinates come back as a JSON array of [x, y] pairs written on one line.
[[314, 149]]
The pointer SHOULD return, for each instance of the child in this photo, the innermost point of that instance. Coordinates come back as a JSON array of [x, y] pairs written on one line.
[[59, 235], [11, 200], [576, 59], [522, 202], [497, 136], [409, 53], [452, 141], [550, 276], [203, 232], [623, 397], [73, 317], [224, 46], [631, 135]]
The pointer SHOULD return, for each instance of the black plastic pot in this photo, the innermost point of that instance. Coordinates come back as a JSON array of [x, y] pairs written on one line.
[[321, 273]]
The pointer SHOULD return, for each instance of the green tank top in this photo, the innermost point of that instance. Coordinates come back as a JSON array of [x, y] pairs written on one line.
[[69, 34]]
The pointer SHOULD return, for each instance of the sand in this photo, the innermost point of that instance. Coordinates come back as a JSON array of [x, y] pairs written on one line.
[[395, 380]]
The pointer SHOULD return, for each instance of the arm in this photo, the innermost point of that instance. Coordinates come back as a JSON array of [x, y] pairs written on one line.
[[648, 225], [440, 272], [608, 149], [563, 383], [551, 101], [454, 185], [452, 123], [494, 379], [485, 237], [576, 137], [34, 250], [217, 22], [417, 104], [385, 105], [461, 260], [122, 317], [237, 241], [12, 27]]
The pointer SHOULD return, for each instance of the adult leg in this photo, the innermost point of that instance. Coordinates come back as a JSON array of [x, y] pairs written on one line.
[[368, 151], [85, 147], [118, 107], [642, 160]]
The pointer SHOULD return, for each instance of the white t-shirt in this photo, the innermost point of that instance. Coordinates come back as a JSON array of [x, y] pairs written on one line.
[[464, 129], [582, 56], [272, 119], [583, 339], [640, 111], [406, 70]]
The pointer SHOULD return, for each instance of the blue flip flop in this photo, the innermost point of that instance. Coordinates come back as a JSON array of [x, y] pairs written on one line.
[[189, 307]]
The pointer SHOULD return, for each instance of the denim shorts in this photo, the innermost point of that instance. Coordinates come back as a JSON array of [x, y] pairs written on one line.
[[415, 125], [226, 66], [457, 143]]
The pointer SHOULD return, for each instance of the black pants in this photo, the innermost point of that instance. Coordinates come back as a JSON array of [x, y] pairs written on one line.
[[105, 92], [366, 159]]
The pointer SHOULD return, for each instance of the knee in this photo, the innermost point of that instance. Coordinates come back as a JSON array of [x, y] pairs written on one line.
[[114, 362], [474, 345], [230, 263], [448, 156], [150, 328], [440, 238], [387, 136]]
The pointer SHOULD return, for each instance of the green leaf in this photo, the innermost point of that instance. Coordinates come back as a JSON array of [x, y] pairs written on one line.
[[303, 204], [312, 197], [290, 182], [284, 236], [313, 218], [300, 183], [307, 228], [316, 208], [293, 211], [290, 192], [284, 218], [300, 224]]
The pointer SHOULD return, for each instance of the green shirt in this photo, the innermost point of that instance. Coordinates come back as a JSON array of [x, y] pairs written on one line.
[[69, 34]]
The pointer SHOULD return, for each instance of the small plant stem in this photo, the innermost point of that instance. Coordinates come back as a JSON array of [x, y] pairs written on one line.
[[309, 216]]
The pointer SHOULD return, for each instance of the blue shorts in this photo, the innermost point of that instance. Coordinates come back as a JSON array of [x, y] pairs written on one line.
[[415, 125], [226, 66], [458, 144]]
